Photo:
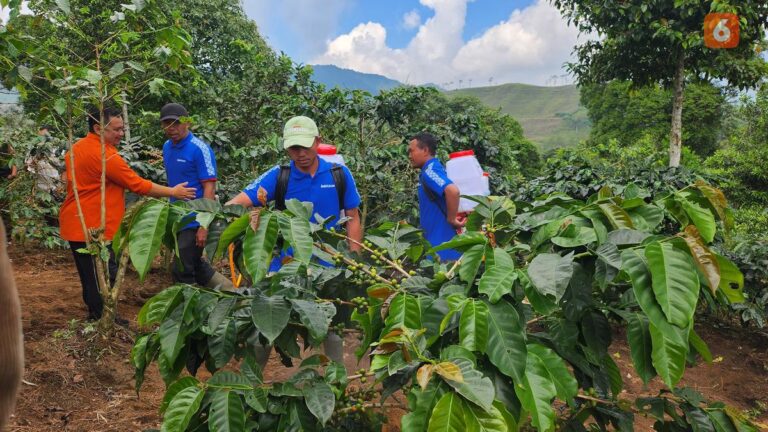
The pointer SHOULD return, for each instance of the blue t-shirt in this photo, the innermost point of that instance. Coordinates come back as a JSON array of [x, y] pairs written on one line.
[[320, 190], [432, 216], [192, 161]]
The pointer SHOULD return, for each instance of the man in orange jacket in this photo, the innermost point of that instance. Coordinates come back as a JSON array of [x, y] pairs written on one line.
[[119, 176]]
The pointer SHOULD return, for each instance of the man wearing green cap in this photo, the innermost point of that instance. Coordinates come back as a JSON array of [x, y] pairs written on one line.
[[330, 188]]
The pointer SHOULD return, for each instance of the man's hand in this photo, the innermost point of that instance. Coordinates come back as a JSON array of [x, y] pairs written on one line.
[[182, 192], [202, 236], [458, 222]]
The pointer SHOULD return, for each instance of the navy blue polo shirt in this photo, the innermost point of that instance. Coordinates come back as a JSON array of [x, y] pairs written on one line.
[[320, 190], [432, 217], [192, 161]]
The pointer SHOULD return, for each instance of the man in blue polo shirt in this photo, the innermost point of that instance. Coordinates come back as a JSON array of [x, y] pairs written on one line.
[[189, 159], [438, 196], [310, 180]]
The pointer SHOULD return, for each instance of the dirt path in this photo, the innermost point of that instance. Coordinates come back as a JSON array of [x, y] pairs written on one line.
[[75, 382]]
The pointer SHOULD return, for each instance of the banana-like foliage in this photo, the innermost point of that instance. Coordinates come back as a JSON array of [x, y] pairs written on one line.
[[485, 343]]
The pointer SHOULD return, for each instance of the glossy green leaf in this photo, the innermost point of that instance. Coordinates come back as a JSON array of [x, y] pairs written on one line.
[[225, 379], [639, 338], [258, 246], [175, 388], [506, 347], [478, 420], [473, 326], [470, 263], [731, 280], [474, 386], [536, 391], [404, 312], [146, 235], [703, 258], [550, 274], [448, 415], [580, 237], [616, 215], [497, 281], [561, 377], [462, 242], [675, 282], [226, 413], [270, 315], [158, 307], [298, 233], [700, 216], [181, 409], [233, 230], [315, 316], [221, 345], [320, 400], [700, 346]]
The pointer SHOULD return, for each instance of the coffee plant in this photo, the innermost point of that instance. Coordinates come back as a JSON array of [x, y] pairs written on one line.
[[513, 335]]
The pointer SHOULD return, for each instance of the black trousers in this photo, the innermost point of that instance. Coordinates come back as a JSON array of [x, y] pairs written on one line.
[[189, 266], [86, 268]]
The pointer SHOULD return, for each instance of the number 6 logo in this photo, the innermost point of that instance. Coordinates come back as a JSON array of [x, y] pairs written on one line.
[[721, 30]]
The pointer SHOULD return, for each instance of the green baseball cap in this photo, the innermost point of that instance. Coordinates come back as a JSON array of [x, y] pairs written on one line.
[[299, 131]]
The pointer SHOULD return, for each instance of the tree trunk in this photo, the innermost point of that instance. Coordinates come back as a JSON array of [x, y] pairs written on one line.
[[675, 136], [126, 123]]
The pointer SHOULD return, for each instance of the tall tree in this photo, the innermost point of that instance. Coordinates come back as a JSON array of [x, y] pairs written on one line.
[[663, 42]]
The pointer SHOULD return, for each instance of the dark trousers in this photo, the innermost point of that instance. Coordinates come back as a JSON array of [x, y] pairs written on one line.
[[189, 266], [86, 268]]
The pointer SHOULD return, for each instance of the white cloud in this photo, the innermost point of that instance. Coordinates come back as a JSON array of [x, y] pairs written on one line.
[[412, 19], [530, 46]]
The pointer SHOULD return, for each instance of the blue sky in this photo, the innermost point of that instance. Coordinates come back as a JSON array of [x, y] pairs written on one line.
[[420, 41]]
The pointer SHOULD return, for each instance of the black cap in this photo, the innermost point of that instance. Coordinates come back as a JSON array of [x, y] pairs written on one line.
[[173, 111]]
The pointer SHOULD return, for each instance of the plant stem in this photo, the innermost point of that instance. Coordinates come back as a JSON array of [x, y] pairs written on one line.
[[372, 252]]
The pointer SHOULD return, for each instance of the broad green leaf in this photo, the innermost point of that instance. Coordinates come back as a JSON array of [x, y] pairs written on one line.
[[320, 400], [675, 282], [721, 421], [550, 273], [646, 217], [60, 106], [220, 312], [473, 326], [470, 263], [258, 399], [226, 413], [509, 419], [639, 339], [450, 371], [181, 409], [700, 346], [616, 215], [462, 242], [561, 377], [270, 315], [475, 387], [146, 235], [175, 388], [225, 379], [448, 415], [299, 208], [669, 353], [171, 336], [404, 312], [541, 304], [700, 216], [669, 342], [315, 316], [625, 237], [581, 236], [25, 73], [418, 418], [478, 420], [298, 232], [536, 391], [116, 70], [258, 246], [221, 345], [506, 340], [63, 5], [215, 230], [158, 307], [497, 281], [730, 277], [93, 76], [703, 258], [236, 228]]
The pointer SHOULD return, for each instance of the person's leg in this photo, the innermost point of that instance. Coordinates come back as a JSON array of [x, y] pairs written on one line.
[[189, 255], [87, 272]]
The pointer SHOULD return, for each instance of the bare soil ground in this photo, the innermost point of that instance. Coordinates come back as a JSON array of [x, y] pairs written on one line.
[[77, 381]]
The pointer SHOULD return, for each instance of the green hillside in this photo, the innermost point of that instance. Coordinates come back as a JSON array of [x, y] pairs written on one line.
[[550, 116]]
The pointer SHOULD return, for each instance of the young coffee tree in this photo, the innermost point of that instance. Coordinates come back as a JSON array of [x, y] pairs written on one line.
[[485, 343], [79, 55]]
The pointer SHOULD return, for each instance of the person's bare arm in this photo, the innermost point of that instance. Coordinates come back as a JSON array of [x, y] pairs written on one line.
[[180, 191], [14, 171], [354, 228], [209, 192], [241, 199], [452, 205], [11, 346]]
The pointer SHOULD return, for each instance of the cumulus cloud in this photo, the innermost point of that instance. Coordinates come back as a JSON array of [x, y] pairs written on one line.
[[411, 19], [530, 46]]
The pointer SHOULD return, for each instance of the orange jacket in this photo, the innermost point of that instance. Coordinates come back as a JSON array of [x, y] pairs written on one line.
[[120, 176]]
